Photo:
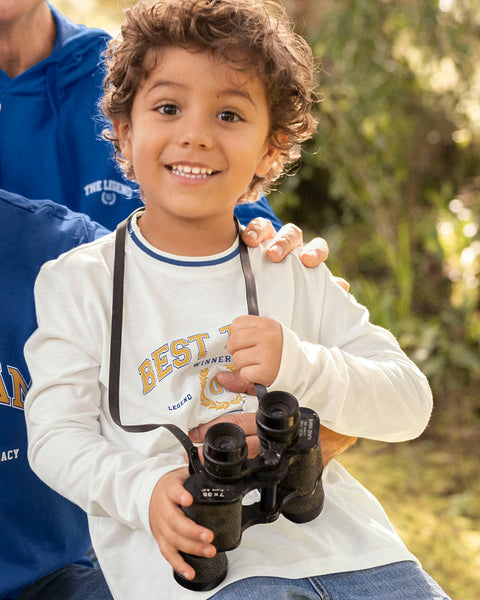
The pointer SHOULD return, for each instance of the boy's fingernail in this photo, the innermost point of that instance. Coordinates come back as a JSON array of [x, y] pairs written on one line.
[[209, 551], [204, 538], [252, 234]]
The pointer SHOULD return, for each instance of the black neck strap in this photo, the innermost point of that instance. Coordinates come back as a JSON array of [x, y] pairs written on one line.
[[117, 323]]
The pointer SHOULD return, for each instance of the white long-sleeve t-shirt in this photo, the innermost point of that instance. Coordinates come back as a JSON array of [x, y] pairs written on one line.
[[177, 314]]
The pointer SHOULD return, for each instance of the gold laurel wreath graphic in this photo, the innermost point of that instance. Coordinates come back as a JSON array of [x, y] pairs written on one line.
[[215, 404]]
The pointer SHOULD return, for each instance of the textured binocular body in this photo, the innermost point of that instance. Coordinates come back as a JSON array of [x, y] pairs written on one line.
[[286, 472]]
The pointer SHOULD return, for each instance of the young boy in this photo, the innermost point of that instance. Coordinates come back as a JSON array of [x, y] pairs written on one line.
[[200, 133]]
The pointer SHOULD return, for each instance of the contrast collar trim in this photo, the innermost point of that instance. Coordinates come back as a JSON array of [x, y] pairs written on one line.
[[178, 261]]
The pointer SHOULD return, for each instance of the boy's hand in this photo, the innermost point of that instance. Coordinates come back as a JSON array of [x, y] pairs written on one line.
[[255, 344], [174, 531], [287, 239]]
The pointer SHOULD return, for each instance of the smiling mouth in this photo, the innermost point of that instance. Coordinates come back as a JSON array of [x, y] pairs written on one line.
[[192, 172]]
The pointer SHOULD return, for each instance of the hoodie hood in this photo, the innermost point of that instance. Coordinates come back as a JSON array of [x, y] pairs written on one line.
[[50, 129], [77, 51]]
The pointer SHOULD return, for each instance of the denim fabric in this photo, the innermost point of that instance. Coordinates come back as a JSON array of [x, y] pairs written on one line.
[[397, 581], [74, 582]]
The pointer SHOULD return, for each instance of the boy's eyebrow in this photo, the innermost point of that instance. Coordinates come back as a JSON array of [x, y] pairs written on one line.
[[238, 92], [226, 92]]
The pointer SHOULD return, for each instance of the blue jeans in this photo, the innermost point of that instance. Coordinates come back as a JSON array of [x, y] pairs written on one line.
[[74, 582], [398, 581]]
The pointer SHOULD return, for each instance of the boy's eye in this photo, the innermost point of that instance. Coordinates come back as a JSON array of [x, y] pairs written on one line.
[[229, 116], [168, 109]]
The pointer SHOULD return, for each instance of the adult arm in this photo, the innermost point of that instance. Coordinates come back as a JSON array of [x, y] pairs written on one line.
[[331, 442]]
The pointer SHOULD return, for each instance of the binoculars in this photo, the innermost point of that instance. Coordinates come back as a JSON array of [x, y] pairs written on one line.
[[286, 472]]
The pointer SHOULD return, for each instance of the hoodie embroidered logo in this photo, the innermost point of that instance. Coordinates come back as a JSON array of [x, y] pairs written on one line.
[[215, 404], [109, 198], [108, 188], [19, 388]]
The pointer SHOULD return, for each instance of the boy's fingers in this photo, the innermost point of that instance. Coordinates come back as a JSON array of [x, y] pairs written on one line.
[[176, 532], [245, 322], [234, 382], [172, 555], [178, 564], [242, 340], [177, 494], [186, 533], [186, 536], [173, 541], [179, 527]]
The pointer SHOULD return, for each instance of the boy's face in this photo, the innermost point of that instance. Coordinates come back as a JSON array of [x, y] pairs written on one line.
[[197, 134]]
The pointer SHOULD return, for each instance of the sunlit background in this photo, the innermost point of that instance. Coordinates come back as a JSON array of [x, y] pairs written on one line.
[[392, 181]]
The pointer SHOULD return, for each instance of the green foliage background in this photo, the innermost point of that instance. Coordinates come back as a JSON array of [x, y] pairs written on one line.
[[392, 181]]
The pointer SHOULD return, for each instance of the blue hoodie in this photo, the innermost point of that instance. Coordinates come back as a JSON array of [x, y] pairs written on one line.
[[40, 530], [50, 133]]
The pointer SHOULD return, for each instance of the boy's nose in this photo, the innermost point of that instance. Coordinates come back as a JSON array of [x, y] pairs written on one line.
[[195, 133], [194, 142]]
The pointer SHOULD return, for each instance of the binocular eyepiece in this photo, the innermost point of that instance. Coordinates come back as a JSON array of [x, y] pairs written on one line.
[[225, 449], [225, 452], [287, 473]]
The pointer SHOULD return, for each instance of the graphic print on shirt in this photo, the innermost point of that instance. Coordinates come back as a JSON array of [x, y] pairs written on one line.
[[197, 359], [216, 388]]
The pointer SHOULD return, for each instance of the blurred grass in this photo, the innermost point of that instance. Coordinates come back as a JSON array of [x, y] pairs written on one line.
[[430, 489]]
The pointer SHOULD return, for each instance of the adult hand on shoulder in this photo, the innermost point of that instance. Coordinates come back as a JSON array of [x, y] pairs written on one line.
[[284, 241]]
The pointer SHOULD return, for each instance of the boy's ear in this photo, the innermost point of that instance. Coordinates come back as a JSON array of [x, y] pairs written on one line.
[[267, 160], [272, 152], [122, 131]]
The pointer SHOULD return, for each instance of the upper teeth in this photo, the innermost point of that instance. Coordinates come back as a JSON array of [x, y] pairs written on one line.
[[191, 171]]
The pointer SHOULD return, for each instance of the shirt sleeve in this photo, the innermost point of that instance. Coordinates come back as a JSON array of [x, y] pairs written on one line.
[[354, 374], [63, 409], [96, 230]]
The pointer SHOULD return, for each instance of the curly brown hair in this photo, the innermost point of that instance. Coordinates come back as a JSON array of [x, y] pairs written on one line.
[[248, 34]]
